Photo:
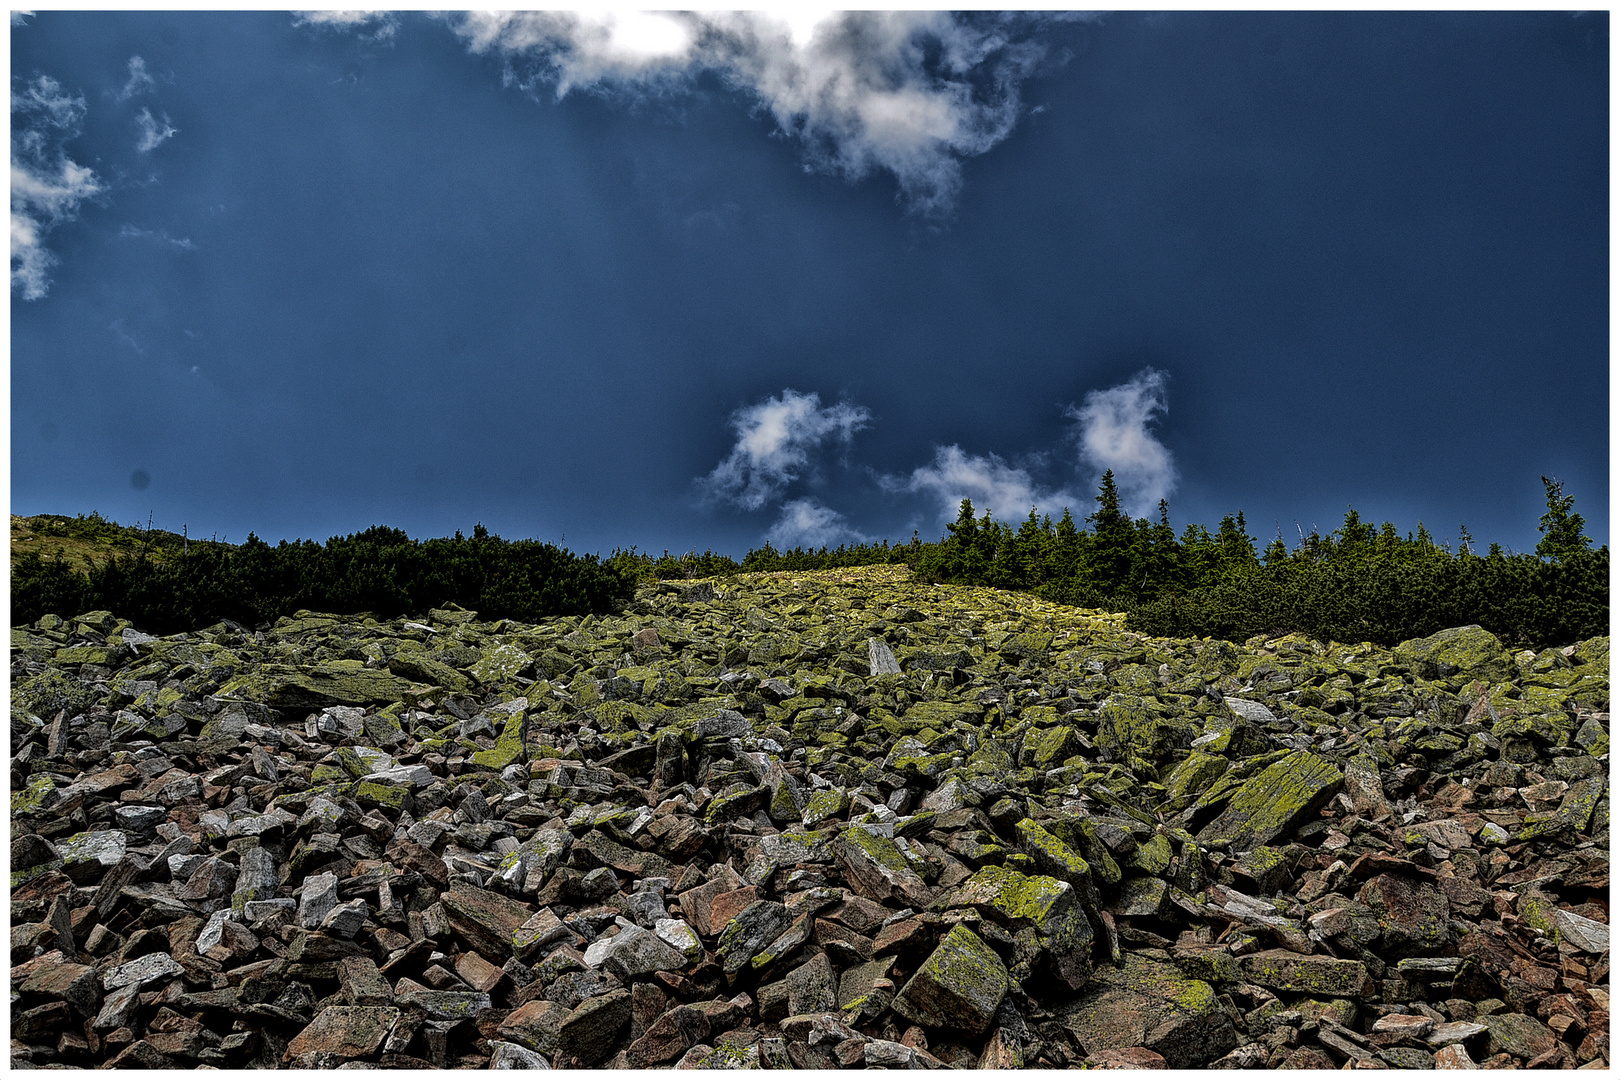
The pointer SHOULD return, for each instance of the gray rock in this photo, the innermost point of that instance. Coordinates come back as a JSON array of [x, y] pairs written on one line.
[[753, 928], [811, 987], [103, 847], [140, 819], [724, 724], [959, 987], [142, 970], [505, 1055], [881, 658], [318, 899], [345, 920], [257, 878]]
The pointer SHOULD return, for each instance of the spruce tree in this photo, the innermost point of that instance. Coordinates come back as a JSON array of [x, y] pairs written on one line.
[[1561, 527]]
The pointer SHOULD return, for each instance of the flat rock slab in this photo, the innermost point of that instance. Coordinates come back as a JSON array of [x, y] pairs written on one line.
[[146, 969], [1150, 1004], [1284, 794], [486, 919], [344, 1031], [877, 870], [1319, 976]]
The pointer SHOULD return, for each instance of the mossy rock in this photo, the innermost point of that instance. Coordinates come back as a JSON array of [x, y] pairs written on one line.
[[1131, 727], [341, 682], [36, 798], [958, 988], [1467, 652], [1284, 795], [507, 749]]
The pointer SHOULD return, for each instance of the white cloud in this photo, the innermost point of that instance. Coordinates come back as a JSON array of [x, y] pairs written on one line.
[[909, 93], [806, 523], [153, 134], [1005, 490], [774, 441], [20, 18], [140, 80], [46, 185], [130, 232], [381, 24], [1112, 429]]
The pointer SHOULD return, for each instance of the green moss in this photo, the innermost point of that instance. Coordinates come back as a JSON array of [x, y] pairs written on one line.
[[1153, 856], [508, 748], [20, 878], [383, 796], [826, 805], [37, 796], [1188, 779], [1536, 915], [1265, 806], [1052, 856], [881, 849]]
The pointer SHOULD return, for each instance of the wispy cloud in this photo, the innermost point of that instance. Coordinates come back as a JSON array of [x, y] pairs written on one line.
[[775, 439], [908, 93], [47, 186], [1007, 491], [140, 80], [373, 25], [807, 523], [1113, 431], [153, 133], [20, 18], [130, 232]]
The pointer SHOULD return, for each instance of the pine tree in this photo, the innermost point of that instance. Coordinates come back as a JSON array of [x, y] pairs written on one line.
[[1112, 539], [1561, 527]]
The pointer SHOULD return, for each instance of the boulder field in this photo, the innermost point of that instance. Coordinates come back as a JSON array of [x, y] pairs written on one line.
[[823, 820]]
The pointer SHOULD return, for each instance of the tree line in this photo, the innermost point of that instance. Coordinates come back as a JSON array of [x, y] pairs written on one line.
[[381, 571], [1356, 583]]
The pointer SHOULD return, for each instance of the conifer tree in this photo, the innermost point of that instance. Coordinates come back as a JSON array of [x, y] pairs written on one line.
[[1561, 527]]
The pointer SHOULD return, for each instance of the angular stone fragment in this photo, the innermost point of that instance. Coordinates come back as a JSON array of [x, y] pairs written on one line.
[[1415, 916], [102, 847], [52, 976], [1319, 976], [535, 1024], [1519, 1035], [1280, 797], [1454, 1056], [1049, 907], [487, 920], [590, 1031], [753, 928], [671, 1035], [880, 658], [139, 972], [343, 1031], [1461, 651], [362, 983], [256, 879], [876, 869], [317, 900], [505, 1055], [811, 988], [959, 987], [1150, 1004]]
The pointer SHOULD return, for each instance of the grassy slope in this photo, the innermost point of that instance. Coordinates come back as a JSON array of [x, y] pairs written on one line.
[[81, 541]]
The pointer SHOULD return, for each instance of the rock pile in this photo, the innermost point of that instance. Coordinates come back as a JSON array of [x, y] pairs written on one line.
[[814, 821]]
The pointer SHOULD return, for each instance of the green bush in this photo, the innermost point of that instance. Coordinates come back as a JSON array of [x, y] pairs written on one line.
[[381, 571]]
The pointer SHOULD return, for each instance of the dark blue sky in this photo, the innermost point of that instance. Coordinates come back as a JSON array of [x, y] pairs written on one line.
[[302, 279]]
